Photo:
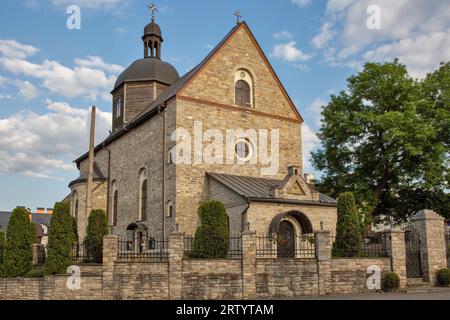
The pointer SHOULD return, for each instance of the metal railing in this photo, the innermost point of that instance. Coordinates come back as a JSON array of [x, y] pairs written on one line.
[[367, 246], [143, 250], [277, 246], [88, 252], [219, 250]]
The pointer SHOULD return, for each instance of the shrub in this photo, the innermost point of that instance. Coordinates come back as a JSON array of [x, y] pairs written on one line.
[[212, 238], [97, 228], [2, 245], [349, 227], [390, 281], [60, 240], [37, 272], [20, 236], [443, 277]]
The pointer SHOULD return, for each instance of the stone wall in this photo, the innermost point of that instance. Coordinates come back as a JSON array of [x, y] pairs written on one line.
[[350, 275]]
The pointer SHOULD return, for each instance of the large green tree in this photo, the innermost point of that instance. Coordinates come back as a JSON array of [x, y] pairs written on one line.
[[386, 139], [2, 246], [60, 240], [20, 236]]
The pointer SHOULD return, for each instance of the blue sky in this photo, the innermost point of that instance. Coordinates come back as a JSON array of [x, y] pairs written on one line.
[[50, 75]]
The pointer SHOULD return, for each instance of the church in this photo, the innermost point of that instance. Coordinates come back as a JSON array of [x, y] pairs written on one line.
[[139, 179]]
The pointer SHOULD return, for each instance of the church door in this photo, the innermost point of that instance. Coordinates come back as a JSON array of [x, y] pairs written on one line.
[[286, 240]]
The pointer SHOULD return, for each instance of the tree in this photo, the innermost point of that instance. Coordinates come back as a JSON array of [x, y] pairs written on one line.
[[60, 240], [97, 229], [212, 238], [20, 236], [349, 227], [386, 139], [2, 245]]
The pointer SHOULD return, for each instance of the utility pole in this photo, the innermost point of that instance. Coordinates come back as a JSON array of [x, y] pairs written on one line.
[[90, 176]]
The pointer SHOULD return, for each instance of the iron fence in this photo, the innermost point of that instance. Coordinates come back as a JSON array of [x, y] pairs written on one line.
[[276, 246], [143, 250], [88, 252], [369, 245], [218, 249]]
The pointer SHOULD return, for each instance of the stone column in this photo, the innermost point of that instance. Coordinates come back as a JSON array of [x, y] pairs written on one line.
[[176, 252], [36, 253], [249, 265], [430, 227], [323, 246], [395, 246], [110, 254]]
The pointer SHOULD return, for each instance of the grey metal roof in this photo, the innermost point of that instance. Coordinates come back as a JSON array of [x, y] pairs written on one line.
[[148, 69], [38, 218], [98, 175], [152, 29], [257, 188]]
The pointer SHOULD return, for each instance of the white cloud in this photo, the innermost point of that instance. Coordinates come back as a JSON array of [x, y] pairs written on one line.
[[404, 25], [13, 49], [325, 35], [310, 142], [41, 146], [90, 77], [301, 3], [27, 90], [283, 35], [289, 52]]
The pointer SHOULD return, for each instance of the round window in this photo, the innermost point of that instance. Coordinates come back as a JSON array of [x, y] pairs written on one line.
[[243, 149]]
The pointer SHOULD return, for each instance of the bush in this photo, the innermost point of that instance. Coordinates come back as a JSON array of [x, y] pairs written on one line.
[[390, 281], [35, 273], [60, 240], [97, 228], [443, 277], [212, 238], [18, 252], [2, 245], [349, 227]]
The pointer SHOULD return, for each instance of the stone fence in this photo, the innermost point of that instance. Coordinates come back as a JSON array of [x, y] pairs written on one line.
[[246, 277]]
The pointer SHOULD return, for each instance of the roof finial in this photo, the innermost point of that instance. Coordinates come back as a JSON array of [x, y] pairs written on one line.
[[154, 10], [238, 16]]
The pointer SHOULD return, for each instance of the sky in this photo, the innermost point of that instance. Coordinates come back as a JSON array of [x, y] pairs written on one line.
[[50, 75]]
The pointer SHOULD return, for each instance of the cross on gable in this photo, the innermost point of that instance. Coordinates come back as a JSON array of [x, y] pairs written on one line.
[[238, 16]]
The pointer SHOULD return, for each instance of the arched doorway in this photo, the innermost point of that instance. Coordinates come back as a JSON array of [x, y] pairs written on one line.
[[286, 240]]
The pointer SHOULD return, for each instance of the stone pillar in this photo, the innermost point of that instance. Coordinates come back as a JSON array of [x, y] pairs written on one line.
[[395, 246], [110, 254], [176, 252], [323, 247], [431, 229], [249, 265], [37, 254]]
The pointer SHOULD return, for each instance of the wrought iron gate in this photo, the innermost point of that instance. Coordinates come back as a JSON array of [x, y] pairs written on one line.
[[412, 248], [286, 240]]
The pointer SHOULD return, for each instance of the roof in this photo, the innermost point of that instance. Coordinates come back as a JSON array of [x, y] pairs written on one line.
[[255, 189], [38, 218], [152, 29], [98, 176], [148, 69], [177, 87]]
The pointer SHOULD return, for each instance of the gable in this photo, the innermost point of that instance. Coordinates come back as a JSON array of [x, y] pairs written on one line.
[[215, 80]]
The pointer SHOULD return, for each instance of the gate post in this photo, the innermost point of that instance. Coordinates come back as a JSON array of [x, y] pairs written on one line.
[[324, 245], [176, 252], [395, 245], [430, 227], [248, 265]]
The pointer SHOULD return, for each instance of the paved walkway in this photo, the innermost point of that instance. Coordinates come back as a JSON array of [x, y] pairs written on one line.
[[440, 295]]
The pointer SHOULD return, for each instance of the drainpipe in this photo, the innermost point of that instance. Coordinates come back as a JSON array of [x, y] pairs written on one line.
[[108, 214], [162, 113]]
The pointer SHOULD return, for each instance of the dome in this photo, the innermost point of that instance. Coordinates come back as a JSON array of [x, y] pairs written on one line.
[[148, 69], [152, 29]]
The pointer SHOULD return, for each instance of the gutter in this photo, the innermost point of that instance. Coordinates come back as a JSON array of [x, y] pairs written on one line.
[[291, 201]]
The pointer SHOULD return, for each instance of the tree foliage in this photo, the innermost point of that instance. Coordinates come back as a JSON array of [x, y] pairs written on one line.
[[60, 240], [20, 236], [386, 139], [212, 238], [349, 227], [97, 228]]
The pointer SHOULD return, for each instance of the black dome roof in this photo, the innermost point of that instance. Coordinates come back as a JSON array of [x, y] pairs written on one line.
[[149, 69]]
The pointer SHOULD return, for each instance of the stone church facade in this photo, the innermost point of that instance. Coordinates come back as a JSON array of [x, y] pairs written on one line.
[[141, 185]]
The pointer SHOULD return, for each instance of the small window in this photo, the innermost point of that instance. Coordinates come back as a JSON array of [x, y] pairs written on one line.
[[143, 183], [243, 94], [170, 209], [243, 149], [114, 207], [118, 107]]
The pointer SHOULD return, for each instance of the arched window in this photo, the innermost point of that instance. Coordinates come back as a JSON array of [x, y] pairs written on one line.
[[75, 205], [143, 195], [118, 107], [243, 89], [114, 207], [243, 149], [170, 210]]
